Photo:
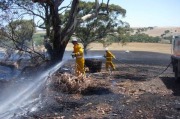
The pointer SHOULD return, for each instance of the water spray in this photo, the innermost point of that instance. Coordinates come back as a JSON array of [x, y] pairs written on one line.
[[18, 101], [98, 57]]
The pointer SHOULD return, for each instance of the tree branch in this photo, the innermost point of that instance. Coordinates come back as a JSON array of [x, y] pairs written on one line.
[[72, 21], [31, 12]]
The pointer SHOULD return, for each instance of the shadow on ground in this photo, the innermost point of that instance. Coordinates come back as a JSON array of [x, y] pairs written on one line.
[[130, 77], [96, 91], [172, 84]]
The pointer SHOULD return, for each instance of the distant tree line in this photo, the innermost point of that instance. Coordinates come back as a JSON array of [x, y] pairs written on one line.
[[134, 38], [143, 38]]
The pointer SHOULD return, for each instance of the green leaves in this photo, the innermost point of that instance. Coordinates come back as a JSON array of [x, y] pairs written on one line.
[[143, 38], [96, 29], [24, 29], [18, 33]]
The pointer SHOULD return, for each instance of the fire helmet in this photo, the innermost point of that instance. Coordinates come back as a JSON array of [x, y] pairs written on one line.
[[74, 40], [106, 49]]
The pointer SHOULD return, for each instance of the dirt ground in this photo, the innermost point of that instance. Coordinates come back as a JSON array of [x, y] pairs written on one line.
[[139, 88]]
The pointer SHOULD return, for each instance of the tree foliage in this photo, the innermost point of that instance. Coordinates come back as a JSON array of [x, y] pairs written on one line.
[[125, 37], [143, 38], [98, 28], [50, 13], [17, 34]]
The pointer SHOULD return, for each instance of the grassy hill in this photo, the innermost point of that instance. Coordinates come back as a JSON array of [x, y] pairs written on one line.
[[158, 31]]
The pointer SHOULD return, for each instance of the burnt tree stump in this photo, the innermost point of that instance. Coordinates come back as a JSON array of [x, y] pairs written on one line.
[[94, 65]]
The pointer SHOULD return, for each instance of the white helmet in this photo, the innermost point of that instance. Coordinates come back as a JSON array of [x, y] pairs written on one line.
[[74, 40], [106, 49]]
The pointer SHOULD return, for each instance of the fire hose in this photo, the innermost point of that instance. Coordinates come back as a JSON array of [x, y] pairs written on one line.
[[152, 76], [120, 61]]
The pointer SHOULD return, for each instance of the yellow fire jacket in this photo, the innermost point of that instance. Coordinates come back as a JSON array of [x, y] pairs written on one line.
[[78, 51], [109, 56]]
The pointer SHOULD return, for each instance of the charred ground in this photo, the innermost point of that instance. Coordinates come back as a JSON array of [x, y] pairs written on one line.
[[135, 90]]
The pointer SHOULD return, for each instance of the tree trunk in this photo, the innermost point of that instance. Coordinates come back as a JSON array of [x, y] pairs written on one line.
[[47, 21], [85, 49], [58, 46], [60, 36], [58, 52]]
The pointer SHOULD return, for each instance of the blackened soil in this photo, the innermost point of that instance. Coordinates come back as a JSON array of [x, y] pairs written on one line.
[[139, 88]]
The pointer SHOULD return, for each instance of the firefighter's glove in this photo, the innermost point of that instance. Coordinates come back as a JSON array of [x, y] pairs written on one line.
[[73, 55], [104, 56]]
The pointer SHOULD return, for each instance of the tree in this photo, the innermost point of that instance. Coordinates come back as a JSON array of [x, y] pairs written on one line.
[[95, 29], [143, 38], [16, 34], [50, 12], [166, 31], [62, 32], [124, 33]]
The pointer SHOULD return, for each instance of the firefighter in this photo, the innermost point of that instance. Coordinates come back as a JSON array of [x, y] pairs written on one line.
[[79, 55], [109, 56]]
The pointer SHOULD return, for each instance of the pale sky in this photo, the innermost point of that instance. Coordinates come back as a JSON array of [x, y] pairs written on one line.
[[144, 13]]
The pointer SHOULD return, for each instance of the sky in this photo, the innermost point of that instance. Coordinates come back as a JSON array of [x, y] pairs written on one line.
[[145, 13], [148, 13]]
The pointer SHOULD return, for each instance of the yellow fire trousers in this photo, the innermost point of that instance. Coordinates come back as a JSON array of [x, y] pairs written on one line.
[[79, 66], [109, 64]]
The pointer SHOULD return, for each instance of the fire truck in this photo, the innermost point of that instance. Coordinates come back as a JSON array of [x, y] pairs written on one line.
[[175, 57]]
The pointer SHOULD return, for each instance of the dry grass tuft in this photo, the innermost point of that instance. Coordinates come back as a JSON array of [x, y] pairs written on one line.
[[69, 83]]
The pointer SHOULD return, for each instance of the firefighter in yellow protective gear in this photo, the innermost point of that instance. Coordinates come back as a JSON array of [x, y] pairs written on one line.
[[79, 55], [109, 56]]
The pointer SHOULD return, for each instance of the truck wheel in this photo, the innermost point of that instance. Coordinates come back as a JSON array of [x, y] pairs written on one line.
[[176, 76]]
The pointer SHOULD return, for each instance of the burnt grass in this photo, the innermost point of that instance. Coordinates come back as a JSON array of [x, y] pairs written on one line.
[[137, 89]]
